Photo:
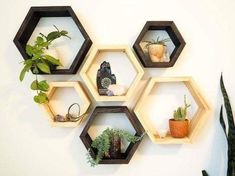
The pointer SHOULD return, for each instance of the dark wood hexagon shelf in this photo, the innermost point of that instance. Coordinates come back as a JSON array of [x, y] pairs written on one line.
[[174, 35], [132, 147], [30, 22]]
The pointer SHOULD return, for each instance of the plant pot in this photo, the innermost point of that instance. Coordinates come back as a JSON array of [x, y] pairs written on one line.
[[156, 52], [179, 129], [115, 148]]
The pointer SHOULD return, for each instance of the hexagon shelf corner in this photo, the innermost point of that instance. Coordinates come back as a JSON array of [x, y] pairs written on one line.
[[195, 123], [91, 84], [49, 108], [166, 29], [132, 147], [30, 23]]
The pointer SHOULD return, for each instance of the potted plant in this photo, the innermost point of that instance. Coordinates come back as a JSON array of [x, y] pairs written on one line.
[[179, 125], [157, 49], [108, 145], [39, 61]]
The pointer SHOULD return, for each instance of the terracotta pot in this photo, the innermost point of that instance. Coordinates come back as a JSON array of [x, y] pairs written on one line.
[[179, 129], [156, 52], [115, 148]]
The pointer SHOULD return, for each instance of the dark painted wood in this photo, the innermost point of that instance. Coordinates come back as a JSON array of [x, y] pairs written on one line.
[[175, 36], [30, 22], [132, 147]]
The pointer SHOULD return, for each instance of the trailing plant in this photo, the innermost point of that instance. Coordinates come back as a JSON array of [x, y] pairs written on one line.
[[230, 136], [157, 41], [102, 143], [39, 61], [181, 112]]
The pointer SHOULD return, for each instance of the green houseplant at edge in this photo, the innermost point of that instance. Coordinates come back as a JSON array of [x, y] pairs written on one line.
[[230, 136], [39, 61]]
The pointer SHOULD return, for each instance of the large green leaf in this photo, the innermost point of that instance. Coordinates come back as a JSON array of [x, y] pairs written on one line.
[[44, 67], [53, 60], [231, 130]]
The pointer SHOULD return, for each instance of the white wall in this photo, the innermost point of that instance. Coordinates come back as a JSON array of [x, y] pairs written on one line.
[[29, 146]]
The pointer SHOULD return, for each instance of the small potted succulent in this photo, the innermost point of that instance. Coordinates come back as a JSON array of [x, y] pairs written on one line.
[[157, 49], [179, 125], [108, 145]]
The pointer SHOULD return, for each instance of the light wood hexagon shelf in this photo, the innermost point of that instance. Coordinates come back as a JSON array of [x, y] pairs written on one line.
[[196, 122], [81, 93], [93, 88]]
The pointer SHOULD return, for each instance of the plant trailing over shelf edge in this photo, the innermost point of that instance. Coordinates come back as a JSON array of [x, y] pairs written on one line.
[[103, 143], [39, 61], [181, 112]]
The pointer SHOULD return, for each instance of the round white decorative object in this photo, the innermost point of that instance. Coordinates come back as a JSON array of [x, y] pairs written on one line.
[[162, 133]]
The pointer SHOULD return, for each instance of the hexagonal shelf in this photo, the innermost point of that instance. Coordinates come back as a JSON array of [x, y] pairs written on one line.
[[196, 122], [32, 19], [132, 147], [163, 29], [91, 65], [83, 107]]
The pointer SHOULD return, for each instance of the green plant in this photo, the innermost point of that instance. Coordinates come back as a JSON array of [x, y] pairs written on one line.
[[230, 136], [39, 61], [181, 112], [102, 143], [204, 173], [157, 41]]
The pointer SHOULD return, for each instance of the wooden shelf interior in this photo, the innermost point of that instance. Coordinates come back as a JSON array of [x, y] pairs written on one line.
[[163, 29], [51, 110], [99, 112], [48, 16], [118, 57], [196, 121]]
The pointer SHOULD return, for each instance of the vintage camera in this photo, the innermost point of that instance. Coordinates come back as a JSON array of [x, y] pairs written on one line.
[[104, 78]]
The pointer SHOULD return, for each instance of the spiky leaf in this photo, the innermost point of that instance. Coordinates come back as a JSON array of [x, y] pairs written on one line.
[[231, 131], [204, 173]]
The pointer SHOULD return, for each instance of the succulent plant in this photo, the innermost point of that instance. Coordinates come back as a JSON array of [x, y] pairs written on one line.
[[181, 112], [157, 41]]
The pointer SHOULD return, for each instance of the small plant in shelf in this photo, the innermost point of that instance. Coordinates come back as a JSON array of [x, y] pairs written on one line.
[[39, 61], [179, 125], [108, 145], [157, 49]]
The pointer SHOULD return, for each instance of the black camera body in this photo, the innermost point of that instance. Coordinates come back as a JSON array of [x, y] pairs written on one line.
[[104, 78]]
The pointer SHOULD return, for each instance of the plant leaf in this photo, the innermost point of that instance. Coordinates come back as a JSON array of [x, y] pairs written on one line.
[[53, 60], [24, 70], [222, 123], [44, 67], [40, 40], [231, 130], [33, 85], [43, 85], [40, 98], [29, 50], [204, 173], [53, 35]]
